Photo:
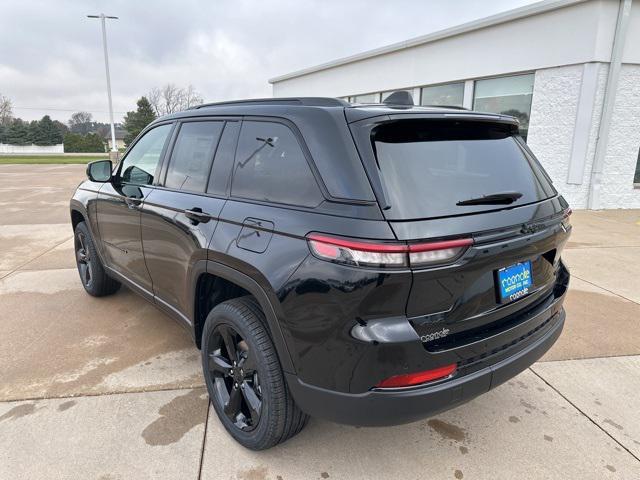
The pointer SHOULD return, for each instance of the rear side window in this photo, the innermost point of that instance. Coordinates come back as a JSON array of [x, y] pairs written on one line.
[[429, 167], [192, 156], [270, 166]]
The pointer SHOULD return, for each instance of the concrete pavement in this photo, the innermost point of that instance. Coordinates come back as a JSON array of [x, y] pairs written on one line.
[[111, 388]]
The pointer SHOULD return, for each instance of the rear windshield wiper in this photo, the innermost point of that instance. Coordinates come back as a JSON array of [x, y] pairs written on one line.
[[501, 198]]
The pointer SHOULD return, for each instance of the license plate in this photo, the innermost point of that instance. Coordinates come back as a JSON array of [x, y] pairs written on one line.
[[514, 281]]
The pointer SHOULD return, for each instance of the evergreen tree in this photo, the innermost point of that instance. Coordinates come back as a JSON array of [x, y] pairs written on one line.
[[46, 133], [94, 143], [18, 133], [90, 143], [32, 126], [134, 122], [61, 127]]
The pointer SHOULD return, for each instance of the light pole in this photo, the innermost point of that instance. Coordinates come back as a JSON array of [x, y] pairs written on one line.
[[103, 18]]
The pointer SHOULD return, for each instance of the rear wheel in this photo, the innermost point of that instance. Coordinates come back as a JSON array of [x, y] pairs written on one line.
[[244, 378], [92, 274]]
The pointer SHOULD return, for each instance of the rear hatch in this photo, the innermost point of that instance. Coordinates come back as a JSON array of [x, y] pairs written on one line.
[[466, 177]]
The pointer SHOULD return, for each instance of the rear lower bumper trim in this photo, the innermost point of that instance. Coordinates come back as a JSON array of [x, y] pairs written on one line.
[[394, 407]]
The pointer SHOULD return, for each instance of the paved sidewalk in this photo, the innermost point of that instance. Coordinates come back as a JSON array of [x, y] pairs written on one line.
[[111, 388]]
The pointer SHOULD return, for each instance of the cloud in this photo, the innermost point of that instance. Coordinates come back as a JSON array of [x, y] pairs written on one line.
[[51, 54]]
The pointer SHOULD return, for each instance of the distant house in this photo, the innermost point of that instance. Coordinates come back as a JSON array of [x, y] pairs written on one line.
[[120, 134]]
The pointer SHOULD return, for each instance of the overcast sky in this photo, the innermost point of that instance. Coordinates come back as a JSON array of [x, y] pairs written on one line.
[[51, 58]]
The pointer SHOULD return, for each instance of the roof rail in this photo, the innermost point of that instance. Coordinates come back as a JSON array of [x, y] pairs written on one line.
[[306, 101], [453, 107]]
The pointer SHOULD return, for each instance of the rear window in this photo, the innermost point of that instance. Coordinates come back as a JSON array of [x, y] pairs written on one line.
[[428, 167]]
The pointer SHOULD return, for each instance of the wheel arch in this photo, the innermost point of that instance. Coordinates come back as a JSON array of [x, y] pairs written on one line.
[[78, 214], [245, 282]]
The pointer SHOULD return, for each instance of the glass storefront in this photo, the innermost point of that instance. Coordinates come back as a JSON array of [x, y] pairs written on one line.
[[386, 94], [366, 98], [506, 95], [451, 94]]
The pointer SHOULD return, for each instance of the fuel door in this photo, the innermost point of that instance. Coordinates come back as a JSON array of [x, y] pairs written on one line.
[[255, 235]]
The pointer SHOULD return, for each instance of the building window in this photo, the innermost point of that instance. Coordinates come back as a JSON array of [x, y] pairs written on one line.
[[451, 94], [506, 95], [366, 98], [384, 95]]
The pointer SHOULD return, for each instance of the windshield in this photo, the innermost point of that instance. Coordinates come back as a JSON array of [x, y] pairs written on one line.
[[435, 168]]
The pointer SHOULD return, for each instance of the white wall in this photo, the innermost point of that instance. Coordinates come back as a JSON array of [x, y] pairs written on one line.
[[554, 106], [575, 34], [624, 141], [556, 95], [34, 149]]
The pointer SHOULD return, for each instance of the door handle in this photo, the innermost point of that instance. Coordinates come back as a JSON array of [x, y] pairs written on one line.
[[196, 215], [132, 203]]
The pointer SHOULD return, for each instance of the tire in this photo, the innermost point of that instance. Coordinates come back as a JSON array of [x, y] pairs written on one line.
[[94, 279], [256, 377]]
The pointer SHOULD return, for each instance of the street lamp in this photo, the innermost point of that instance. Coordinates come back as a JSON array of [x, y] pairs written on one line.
[[102, 18]]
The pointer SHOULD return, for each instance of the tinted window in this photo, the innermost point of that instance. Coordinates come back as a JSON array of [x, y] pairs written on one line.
[[271, 166], [192, 156], [220, 178], [139, 166], [429, 166]]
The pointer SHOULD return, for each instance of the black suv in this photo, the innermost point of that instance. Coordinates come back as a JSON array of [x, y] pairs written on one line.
[[366, 264]]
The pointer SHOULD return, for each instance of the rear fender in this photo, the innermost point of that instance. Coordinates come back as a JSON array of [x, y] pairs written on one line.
[[253, 287]]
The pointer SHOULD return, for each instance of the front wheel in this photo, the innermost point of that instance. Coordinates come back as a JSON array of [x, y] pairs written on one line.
[[94, 279], [244, 377]]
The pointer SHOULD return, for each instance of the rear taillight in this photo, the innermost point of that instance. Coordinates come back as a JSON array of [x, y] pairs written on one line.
[[378, 254], [412, 379], [359, 253]]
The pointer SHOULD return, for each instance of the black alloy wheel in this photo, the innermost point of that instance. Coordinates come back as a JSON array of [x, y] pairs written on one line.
[[234, 374], [84, 260], [244, 378], [93, 276]]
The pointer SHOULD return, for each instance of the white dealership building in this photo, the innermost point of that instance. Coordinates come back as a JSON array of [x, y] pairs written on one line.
[[568, 69]]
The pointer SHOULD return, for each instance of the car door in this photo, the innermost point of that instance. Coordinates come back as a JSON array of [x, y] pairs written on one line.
[[119, 203], [178, 218], [273, 200]]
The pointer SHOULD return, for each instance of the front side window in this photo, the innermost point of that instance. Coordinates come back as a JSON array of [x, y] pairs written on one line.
[[506, 95], [192, 156], [139, 166], [271, 166], [450, 94]]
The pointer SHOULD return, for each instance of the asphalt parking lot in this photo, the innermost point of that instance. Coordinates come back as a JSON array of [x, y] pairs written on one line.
[[111, 388]]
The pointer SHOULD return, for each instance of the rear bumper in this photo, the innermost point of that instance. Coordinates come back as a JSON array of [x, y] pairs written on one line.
[[398, 406]]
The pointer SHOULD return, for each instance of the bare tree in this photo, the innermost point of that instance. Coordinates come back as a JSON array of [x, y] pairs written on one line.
[[6, 110], [171, 98], [81, 122], [191, 97]]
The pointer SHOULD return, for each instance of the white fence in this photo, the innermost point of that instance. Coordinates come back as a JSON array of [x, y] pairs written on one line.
[[31, 149]]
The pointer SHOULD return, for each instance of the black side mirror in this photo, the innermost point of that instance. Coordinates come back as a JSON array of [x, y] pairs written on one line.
[[99, 171]]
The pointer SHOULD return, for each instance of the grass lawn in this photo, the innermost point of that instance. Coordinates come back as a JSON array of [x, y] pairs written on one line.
[[48, 159]]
